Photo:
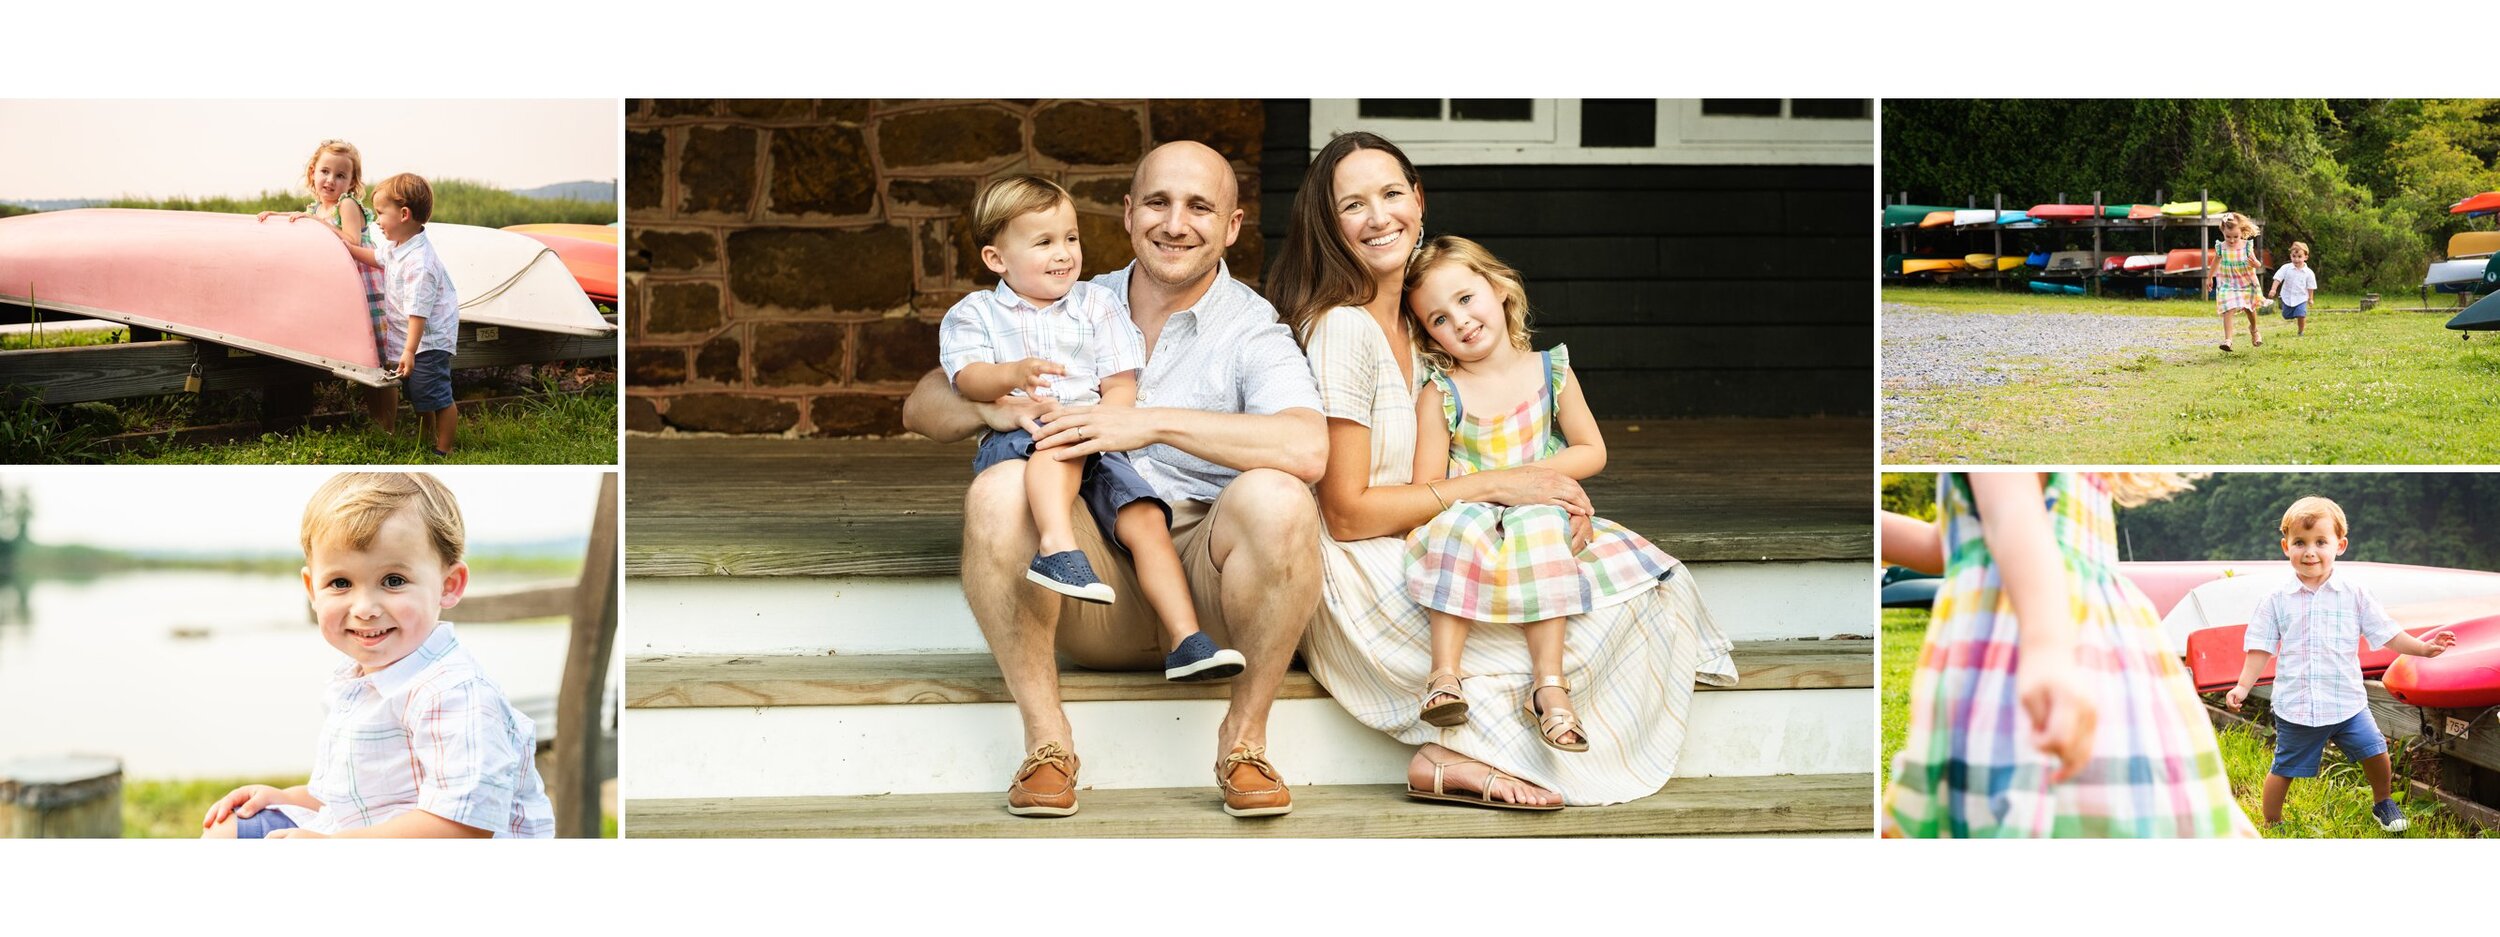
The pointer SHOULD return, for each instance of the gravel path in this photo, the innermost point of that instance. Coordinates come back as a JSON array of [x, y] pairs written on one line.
[[1926, 351]]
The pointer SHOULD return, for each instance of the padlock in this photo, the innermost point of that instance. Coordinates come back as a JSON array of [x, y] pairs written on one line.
[[191, 381]]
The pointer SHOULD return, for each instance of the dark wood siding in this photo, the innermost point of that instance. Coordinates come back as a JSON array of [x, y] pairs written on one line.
[[1682, 290]]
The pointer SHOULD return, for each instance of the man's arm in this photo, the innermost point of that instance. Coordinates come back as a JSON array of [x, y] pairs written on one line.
[[1293, 441], [935, 410]]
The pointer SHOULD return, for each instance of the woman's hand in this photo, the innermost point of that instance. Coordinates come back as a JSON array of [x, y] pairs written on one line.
[[248, 800], [1533, 485], [2063, 716]]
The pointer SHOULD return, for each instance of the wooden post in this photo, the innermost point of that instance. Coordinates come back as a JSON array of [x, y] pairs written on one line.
[[2098, 222], [61, 797], [575, 787]]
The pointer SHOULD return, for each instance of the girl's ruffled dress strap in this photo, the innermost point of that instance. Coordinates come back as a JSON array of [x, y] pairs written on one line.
[[1449, 397]]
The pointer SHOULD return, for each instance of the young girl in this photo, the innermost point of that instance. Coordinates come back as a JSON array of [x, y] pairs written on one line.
[[2234, 267], [2047, 701], [333, 176], [1494, 403]]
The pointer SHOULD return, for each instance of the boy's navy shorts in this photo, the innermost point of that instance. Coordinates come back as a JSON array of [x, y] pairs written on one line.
[[1109, 482]]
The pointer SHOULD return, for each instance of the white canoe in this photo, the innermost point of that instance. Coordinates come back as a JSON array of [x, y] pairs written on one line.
[[285, 290], [2233, 600], [508, 279], [2455, 271]]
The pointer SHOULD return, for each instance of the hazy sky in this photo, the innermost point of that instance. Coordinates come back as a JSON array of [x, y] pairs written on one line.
[[157, 149], [260, 509]]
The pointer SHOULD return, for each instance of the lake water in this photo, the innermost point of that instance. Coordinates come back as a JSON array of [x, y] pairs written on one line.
[[96, 667]]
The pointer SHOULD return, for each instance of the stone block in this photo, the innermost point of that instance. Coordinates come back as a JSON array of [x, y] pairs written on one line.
[[800, 354], [682, 308], [732, 413], [950, 196], [817, 269], [642, 416], [1102, 193], [719, 360], [716, 170], [684, 107], [948, 136], [771, 108], [646, 169], [843, 110], [1106, 243], [933, 256], [655, 367], [822, 170], [856, 415], [1086, 134], [896, 350], [1230, 127], [671, 251]]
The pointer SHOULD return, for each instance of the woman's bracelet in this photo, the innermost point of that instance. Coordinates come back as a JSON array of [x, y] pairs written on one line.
[[1436, 496]]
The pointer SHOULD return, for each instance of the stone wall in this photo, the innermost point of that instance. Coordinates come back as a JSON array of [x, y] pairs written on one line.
[[788, 260]]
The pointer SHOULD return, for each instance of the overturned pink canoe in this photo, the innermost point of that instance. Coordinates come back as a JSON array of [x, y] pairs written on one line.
[[285, 290]]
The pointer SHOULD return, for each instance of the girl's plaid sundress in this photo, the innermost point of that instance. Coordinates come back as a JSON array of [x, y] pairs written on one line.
[[371, 276], [2235, 277], [1969, 767], [1487, 562]]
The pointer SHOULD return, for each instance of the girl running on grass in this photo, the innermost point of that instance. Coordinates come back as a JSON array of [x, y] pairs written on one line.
[[2046, 701], [2234, 271]]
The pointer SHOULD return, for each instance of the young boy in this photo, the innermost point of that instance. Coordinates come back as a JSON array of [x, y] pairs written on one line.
[[417, 741], [1043, 334], [2311, 628], [2294, 283], [419, 303]]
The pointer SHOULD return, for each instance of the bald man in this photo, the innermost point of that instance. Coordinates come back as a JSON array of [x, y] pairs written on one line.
[[1228, 430]]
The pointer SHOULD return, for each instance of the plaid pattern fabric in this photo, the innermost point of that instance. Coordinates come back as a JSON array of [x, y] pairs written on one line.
[[2235, 277], [1088, 332], [2315, 636], [1487, 562], [1969, 767], [429, 733], [1632, 666], [370, 276], [415, 285]]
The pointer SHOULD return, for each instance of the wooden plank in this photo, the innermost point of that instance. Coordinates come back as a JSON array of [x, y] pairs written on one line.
[[1705, 490], [1686, 807], [1672, 348], [1855, 180], [583, 688], [61, 797], [547, 601], [676, 682], [137, 369], [1622, 396], [1839, 301]]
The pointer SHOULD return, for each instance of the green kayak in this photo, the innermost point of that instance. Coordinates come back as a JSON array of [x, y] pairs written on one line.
[[1897, 216]]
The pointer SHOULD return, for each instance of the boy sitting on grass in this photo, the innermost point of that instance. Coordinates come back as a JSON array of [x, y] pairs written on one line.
[[417, 741], [2311, 628]]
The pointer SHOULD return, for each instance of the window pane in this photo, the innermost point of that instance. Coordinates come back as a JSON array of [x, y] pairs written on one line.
[[1740, 107], [1630, 122], [1518, 109], [1418, 108], [1829, 108]]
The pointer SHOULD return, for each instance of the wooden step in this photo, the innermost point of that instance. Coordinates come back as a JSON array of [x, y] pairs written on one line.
[[668, 682], [1705, 490], [1821, 803]]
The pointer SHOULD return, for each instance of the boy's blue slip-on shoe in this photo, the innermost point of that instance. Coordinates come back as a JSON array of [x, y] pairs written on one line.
[[1199, 659], [1068, 574], [2390, 817]]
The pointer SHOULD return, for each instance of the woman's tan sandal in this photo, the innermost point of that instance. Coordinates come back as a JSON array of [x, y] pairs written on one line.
[[1552, 725], [1479, 798], [1452, 710]]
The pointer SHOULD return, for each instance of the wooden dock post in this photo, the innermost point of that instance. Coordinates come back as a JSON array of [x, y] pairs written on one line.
[[575, 786], [61, 797]]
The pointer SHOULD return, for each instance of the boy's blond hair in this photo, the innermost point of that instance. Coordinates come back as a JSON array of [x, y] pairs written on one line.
[[411, 190], [2307, 511], [1009, 199], [350, 508], [2300, 247]]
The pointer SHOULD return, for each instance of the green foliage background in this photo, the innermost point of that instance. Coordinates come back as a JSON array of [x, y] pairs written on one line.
[[2366, 182], [456, 201]]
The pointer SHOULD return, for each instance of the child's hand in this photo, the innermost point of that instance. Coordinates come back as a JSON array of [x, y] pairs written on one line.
[[248, 800], [407, 363], [1033, 375], [2062, 714], [2233, 699], [2439, 643], [264, 216], [295, 833]]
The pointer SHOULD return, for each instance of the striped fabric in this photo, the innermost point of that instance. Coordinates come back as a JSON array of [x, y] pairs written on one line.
[[1633, 664], [371, 276], [415, 285], [1087, 332], [1487, 562], [1226, 354], [2312, 634], [1970, 767], [429, 733], [2235, 277]]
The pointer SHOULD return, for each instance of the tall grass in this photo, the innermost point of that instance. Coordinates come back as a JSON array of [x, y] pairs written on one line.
[[456, 201]]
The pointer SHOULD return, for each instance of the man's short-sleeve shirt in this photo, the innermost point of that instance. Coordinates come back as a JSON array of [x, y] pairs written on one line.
[[1227, 354]]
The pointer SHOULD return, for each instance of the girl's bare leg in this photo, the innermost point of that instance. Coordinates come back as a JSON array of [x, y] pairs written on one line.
[[1050, 489], [1449, 642], [2226, 328], [1142, 529], [2252, 327], [382, 404], [1545, 657]]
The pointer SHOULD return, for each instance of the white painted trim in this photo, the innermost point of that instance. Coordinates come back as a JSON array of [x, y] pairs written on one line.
[[1685, 137]]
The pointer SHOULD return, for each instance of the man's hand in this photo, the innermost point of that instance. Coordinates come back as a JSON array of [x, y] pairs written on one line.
[[1076, 432], [1013, 413]]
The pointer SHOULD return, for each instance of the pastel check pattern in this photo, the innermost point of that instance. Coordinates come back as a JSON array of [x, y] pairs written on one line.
[[2315, 636], [2235, 277]]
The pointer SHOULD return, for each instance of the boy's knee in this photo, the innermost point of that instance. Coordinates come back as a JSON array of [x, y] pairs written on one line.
[[225, 829]]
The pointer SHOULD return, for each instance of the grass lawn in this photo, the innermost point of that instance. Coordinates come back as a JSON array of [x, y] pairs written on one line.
[[570, 429], [2336, 804], [172, 809], [2379, 387]]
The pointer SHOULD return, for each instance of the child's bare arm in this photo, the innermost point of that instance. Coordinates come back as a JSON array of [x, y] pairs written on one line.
[[1432, 437], [1585, 453], [415, 824], [1912, 543], [1120, 390], [2256, 666], [251, 799], [982, 380], [2436, 644], [2015, 523], [351, 226]]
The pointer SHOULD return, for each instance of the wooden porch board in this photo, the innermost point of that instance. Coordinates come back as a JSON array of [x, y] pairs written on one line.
[[672, 682], [1705, 490], [1687, 807]]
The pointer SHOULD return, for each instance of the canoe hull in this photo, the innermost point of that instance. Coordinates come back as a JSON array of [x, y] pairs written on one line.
[[2467, 676], [601, 233], [592, 263], [512, 280]]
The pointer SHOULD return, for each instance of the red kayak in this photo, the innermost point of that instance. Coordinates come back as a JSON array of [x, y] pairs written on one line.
[[2488, 201], [592, 264], [2185, 260], [2063, 212], [2466, 677], [2214, 655]]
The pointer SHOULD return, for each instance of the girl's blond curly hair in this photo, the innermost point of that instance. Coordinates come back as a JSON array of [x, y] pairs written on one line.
[[2130, 489], [1451, 249]]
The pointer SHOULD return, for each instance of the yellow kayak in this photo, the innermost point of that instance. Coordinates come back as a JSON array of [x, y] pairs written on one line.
[[604, 234], [1980, 261], [1933, 266], [2473, 244], [2192, 209]]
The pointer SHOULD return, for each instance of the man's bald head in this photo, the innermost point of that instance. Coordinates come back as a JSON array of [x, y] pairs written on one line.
[[1183, 210], [1194, 160]]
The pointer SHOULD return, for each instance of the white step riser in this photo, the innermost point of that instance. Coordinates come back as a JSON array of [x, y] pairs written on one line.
[[1750, 601], [939, 748]]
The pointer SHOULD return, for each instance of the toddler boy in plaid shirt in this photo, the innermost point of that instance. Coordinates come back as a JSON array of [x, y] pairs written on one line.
[[2311, 629], [417, 742]]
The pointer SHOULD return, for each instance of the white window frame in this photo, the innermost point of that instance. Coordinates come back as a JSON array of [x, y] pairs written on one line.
[[1552, 136]]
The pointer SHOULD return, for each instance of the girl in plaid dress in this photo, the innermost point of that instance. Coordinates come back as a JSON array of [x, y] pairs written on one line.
[[2234, 271], [333, 176], [2046, 701], [1493, 403]]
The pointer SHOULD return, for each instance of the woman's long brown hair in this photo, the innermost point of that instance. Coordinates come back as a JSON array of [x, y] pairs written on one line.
[[1317, 271]]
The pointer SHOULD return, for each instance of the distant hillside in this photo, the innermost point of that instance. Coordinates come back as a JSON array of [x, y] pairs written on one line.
[[53, 204], [456, 201], [587, 191]]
